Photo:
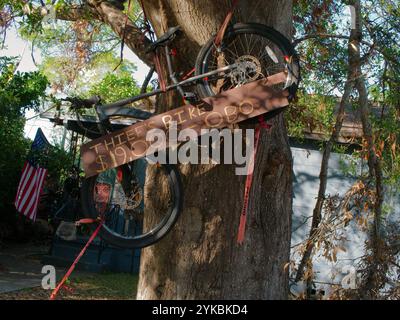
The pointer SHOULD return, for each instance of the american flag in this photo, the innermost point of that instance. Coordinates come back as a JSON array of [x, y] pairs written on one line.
[[32, 179]]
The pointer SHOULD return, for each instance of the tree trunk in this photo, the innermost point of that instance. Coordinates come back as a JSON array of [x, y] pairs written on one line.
[[199, 258]]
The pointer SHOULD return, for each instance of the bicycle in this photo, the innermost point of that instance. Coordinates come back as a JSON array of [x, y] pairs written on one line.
[[248, 52]]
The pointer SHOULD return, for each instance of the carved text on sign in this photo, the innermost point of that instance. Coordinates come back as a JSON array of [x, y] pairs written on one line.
[[232, 106]]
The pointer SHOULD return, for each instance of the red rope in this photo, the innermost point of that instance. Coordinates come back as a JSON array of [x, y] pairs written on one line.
[[60, 285], [249, 180], [262, 122], [187, 75], [222, 29], [247, 188]]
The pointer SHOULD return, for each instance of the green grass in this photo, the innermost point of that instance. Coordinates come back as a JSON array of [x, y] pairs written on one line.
[[102, 286], [108, 285]]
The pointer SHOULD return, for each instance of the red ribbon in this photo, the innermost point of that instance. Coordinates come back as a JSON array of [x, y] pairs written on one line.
[[247, 188], [249, 180], [222, 29]]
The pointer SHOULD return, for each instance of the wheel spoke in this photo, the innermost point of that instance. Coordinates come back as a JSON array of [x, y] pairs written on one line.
[[257, 55], [132, 201]]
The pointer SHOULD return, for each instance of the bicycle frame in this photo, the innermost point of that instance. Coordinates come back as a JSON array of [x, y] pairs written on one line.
[[120, 108]]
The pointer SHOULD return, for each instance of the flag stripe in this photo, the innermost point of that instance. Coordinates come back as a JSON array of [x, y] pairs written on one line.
[[32, 180], [40, 188], [26, 184], [38, 191], [34, 183], [28, 190], [24, 171], [26, 176], [32, 195], [32, 208]]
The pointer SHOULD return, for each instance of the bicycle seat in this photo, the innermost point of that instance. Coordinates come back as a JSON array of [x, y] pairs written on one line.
[[79, 103], [164, 39]]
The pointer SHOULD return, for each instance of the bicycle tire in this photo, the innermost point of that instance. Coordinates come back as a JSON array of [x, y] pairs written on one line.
[[155, 234], [273, 36]]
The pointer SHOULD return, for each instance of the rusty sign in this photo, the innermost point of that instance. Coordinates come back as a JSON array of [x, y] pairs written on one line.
[[232, 106]]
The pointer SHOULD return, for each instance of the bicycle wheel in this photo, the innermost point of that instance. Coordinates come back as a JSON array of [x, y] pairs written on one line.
[[121, 195], [257, 50]]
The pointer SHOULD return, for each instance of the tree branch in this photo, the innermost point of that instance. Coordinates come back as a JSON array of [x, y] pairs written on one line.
[[133, 36], [355, 80], [74, 13], [115, 18], [378, 265], [373, 46], [323, 176]]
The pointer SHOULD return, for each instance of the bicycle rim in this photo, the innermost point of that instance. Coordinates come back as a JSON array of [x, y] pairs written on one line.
[[122, 195], [259, 50]]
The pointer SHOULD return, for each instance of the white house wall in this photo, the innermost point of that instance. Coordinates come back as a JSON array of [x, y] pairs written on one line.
[[306, 166]]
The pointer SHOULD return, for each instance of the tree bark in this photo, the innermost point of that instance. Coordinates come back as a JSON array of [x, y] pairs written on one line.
[[378, 266], [376, 274], [199, 258]]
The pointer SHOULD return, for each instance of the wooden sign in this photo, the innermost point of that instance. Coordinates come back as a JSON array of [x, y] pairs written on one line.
[[232, 106]]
